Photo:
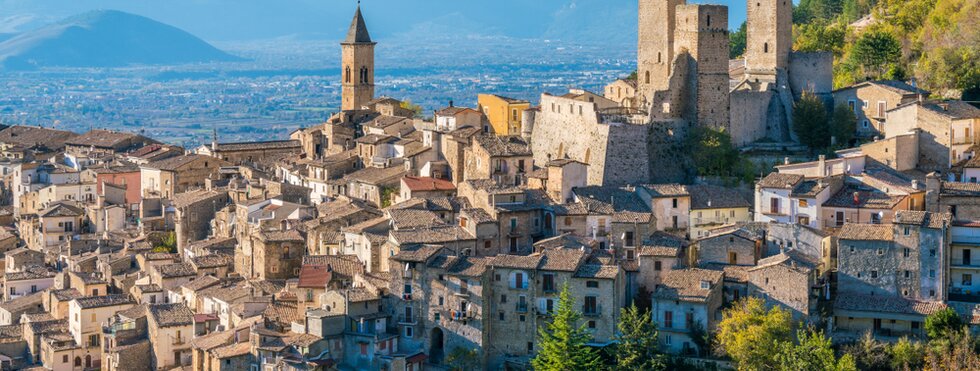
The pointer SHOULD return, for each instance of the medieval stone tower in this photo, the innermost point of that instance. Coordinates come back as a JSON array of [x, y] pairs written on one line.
[[769, 38], [655, 51], [701, 34], [357, 60]]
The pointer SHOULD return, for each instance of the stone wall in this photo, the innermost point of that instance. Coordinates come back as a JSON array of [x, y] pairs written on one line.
[[769, 35], [717, 249], [655, 50], [863, 271], [750, 117], [812, 72], [785, 286], [886, 151]]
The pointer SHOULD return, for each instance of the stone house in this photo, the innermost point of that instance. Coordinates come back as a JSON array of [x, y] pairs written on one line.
[[505, 114], [320, 273], [323, 233], [562, 176], [217, 265], [376, 150], [86, 315], [670, 204], [264, 153], [123, 174], [99, 142], [374, 185], [193, 215], [12, 309], [505, 159], [623, 91], [960, 199], [735, 247], [27, 282], [424, 187], [484, 228], [947, 130], [57, 224], [451, 118], [856, 203], [615, 217], [396, 126], [321, 171], [713, 206], [172, 276], [452, 146], [791, 198], [660, 254], [88, 284], [272, 254], [686, 300], [871, 100], [365, 338], [789, 280], [56, 301], [168, 177], [170, 329], [365, 240], [901, 265]]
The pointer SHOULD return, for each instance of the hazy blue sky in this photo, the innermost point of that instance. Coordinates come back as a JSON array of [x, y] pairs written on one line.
[[242, 20]]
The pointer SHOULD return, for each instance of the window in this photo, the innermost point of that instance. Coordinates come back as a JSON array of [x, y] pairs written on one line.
[[803, 203], [668, 319], [967, 279], [851, 105], [908, 274], [774, 205], [530, 347], [592, 284], [880, 252], [93, 340], [657, 265], [907, 252], [765, 47], [409, 332], [932, 273], [628, 239], [874, 274], [592, 324], [881, 110], [548, 282], [500, 315], [674, 201], [907, 232], [441, 300], [568, 221], [591, 306], [503, 299], [64, 358]]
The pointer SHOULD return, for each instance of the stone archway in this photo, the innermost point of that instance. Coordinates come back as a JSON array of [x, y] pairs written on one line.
[[436, 346]]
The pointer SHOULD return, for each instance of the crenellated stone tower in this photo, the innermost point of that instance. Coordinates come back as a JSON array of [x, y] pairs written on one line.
[[357, 65], [655, 52], [769, 38]]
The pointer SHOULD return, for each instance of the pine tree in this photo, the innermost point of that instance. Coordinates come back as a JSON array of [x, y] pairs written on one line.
[[637, 349], [563, 341]]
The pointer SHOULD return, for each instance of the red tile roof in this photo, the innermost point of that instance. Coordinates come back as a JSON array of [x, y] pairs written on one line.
[[417, 184], [314, 276]]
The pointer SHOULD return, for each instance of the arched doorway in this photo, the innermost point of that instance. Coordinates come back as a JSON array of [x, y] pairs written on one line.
[[548, 223], [436, 346], [88, 361]]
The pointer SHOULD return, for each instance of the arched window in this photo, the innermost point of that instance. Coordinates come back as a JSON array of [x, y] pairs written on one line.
[[347, 75], [765, 47], [708, 19], [78, 361], [647, 77]]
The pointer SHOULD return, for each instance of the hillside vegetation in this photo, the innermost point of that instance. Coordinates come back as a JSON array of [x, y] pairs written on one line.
[[936, 42]]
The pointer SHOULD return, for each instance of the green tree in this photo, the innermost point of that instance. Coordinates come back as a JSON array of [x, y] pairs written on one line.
[[810, 121], [959, 352], [736, 42], [415, 108], [869, 354], [812, 352], [943, 324], [843, 124], [752, 336], [167, 243], [564, 341], [637, 349], [906, 355], [875, 52], [463, 359], [820, 36], [713, 152]]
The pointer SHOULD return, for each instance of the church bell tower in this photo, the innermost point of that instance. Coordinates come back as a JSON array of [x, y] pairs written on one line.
[[357, 70]]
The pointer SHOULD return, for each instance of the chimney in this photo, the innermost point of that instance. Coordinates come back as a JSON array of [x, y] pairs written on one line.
[[785, 160], [915, 184], [450, 103], [857, 198], [823, 165]]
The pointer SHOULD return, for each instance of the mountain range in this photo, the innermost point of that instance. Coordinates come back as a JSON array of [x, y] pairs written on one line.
[[106, 38]]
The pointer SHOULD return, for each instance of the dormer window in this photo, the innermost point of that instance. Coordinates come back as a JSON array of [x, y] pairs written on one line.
[[705, 285]]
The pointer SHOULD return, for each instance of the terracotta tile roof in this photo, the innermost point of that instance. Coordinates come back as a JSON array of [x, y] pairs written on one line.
[[453, 111], [176, 162], [960, 189], [192, 197], [413, 218], [107, 139], [597, 271], [29, 136], [477, 215], [212, 261], [431, 235], [417, 254], [314, 276], [714, 197], [691, 284], [666, 190], [169, 315], [733, 273], [60, 209], [469, 266], [561, 163], [231, 351], [923, 219], [864, 303], [376, 175], [622, 204], [813, 187], [201, 283], [419, 184], [516, 261], [855, 197], [23, 303], [259, 146], [175, 270], [282, 312], [780, 181], [567, 260], [566, 241], [103, 301], [865, 232], [506, 146]]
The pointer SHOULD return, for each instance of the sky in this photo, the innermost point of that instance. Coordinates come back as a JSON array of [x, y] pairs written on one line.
[[586, 21]]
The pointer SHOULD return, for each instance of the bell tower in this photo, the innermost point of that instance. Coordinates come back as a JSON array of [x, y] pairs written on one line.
[[357, 65]]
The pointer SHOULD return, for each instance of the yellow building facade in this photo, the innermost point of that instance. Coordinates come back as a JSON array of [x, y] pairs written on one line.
[[505, 114]]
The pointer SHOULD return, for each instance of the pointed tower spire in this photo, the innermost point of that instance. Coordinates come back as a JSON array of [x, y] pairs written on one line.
[[358, 32]]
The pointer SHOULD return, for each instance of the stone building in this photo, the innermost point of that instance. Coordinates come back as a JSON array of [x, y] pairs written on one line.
[[166, 178], [737, 247], [714, 206], [790, 280], [622, 91], [505, 159], [252, 153], [684, 301], [962, 200], [947, 130], [194, 212], [670, 204], [357, 57], [871, 100], [904, 266]]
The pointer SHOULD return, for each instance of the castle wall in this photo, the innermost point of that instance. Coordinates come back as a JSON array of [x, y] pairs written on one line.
[[812, 72], [702, 31], [749, 116], [559, 133]]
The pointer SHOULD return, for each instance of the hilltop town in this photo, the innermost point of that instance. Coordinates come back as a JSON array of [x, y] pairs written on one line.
[[383, 240]]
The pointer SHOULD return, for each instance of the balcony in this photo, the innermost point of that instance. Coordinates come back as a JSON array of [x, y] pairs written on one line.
[[960, 263], [592, 311], [521, 307], [407, 320], [461, 315]]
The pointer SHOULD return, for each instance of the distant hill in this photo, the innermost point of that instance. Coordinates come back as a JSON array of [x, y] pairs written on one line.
[[106, 38]]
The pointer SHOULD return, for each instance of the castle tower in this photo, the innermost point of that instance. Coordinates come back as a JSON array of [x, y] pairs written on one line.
[[769, 37], [702, 34], [357, 60], [655, 51]]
